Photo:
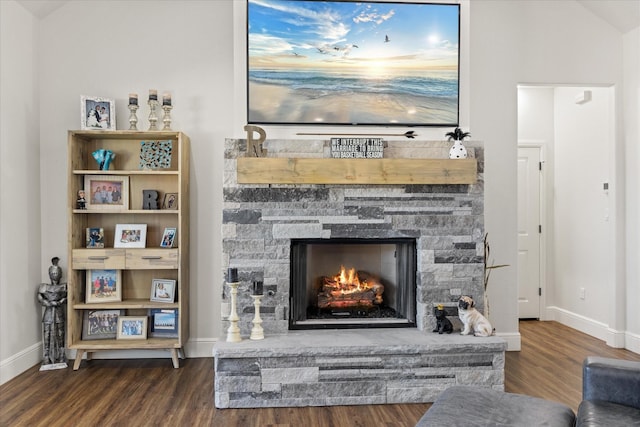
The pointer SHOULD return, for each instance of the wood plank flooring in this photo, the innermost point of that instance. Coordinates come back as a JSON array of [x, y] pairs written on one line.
[[151, 393]]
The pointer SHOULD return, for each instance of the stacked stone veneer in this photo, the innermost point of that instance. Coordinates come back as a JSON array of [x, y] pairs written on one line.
[[352, 367], [320, 367], [260, 220]]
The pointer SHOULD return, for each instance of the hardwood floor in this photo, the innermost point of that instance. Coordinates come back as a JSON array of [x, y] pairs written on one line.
[[151, 393]]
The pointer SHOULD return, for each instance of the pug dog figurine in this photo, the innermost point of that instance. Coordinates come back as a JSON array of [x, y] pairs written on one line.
[[443, 325], [472, 320]]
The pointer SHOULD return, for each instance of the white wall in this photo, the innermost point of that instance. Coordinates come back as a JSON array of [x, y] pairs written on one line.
[[20, 257], [584, 235], [110, 49], [631, 100]]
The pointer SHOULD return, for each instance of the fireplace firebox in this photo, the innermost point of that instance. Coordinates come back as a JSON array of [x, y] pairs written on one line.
[[353, 283]]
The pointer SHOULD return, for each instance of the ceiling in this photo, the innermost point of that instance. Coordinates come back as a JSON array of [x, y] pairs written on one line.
[[624, 15]]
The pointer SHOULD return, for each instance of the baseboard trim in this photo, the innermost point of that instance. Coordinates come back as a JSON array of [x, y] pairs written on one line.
[[513, 340], [201, 347], [613, 338], [632, 342], [13, 366], [577, 321]]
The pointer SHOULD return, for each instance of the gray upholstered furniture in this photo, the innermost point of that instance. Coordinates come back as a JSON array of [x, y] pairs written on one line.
[[468, 406], [610, 393], [611, 397]]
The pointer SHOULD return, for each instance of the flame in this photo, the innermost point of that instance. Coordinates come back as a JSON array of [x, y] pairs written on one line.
[[349, 282]]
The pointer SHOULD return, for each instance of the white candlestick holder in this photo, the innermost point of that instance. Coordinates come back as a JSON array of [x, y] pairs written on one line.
[[133, 119], [166, 118], [233, 333], [153, 117], [257, 333]]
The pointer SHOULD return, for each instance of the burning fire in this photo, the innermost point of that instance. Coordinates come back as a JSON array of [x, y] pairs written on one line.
[[349, 282], [347, 289]]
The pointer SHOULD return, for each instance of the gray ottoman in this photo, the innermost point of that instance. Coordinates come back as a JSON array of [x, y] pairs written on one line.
[[467, 406]]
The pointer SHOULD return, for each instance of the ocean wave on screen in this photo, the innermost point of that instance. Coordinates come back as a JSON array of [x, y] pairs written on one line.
[[433, 84]]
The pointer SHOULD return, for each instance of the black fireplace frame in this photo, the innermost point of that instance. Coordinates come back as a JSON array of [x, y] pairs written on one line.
[[406, 250]]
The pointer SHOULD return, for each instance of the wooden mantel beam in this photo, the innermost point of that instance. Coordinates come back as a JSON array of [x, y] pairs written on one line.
[[276, 170]]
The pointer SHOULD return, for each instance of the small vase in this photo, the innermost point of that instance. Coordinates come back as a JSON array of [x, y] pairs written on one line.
[[458, 151]]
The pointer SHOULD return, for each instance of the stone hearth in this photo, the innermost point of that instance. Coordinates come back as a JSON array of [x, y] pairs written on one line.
[[352, 367], [329, 367]]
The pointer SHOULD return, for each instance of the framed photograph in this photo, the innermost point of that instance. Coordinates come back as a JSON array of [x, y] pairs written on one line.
[[95, 238], [104, 286], [97, 113], [107, 192], [132, 328], [164, 323], [163, 290], [130, 236], [168, 237], [170, 201], [100, 324]]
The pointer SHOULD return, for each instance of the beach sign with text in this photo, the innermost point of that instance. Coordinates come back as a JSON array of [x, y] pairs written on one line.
[[357, 148]]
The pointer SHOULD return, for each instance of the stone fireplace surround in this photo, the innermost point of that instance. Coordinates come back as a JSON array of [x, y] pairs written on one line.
[[357, 366]]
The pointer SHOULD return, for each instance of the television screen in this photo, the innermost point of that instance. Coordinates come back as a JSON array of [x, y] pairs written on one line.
[[352, 63]]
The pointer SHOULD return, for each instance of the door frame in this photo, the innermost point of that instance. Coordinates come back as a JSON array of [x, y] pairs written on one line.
[[545, 235]]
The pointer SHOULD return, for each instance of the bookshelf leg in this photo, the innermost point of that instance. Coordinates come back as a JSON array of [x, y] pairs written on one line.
[[76, 363], [174, 358]]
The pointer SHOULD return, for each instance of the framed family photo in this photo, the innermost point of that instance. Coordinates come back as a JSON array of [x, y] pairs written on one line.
[[164, 323], [97, 113], [163, 290], [132, 328], [130, 236], [104, 286], [168, 237], [100, 324], [95, 238], [107, 192], [170, 201]]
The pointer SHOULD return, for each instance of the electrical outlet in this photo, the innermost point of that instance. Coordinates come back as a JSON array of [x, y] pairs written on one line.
[[225, 310], [456, 292], [582, 293]]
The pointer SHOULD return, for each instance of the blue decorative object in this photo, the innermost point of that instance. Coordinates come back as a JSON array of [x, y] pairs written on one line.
[[104, 158]]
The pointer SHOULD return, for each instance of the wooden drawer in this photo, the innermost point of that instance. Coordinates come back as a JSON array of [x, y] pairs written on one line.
[[98, 259], [143, 259]]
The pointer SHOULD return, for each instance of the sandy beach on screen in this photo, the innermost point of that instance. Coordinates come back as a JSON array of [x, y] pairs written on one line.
[[273, 103]]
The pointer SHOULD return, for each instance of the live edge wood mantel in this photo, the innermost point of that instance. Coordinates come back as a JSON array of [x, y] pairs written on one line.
[[277, 170]]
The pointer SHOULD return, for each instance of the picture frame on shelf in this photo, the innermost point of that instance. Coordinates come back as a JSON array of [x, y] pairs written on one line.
[[163, 290], [130, 236], [132, 328], [170, 201], [97, 113], [103, 286], [168, 237], [107, 192], [100, 324], [163, 323], [95, 238]]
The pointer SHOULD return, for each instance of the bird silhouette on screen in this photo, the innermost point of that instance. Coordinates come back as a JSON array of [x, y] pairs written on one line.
[[386, 39]]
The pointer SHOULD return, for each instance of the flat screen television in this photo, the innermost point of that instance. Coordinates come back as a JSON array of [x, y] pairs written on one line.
[[352, 63]]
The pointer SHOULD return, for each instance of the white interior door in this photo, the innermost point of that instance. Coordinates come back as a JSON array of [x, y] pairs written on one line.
[[529, 285]]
